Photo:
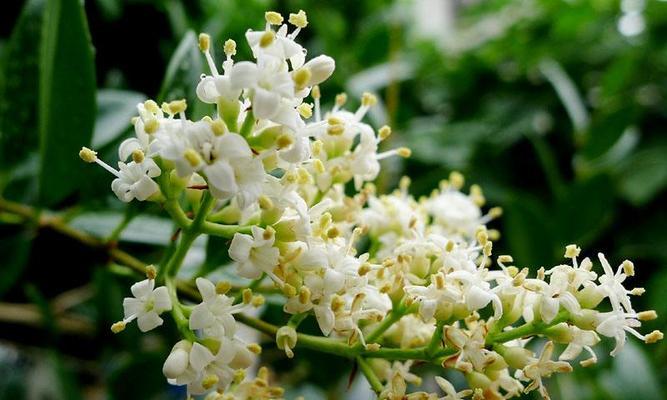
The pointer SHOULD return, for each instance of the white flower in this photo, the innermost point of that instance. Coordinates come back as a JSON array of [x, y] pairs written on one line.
[[214, 313], [434, 296], [234, 171], [543, 367], [581, 340], [255, 254], [269, 84], [281, 47], [134, 180], [455, 212], [450, 391], [552, 295], [470, 346], [477, 291], [146, 305], [612, 284], [615, 324], [185, 362]]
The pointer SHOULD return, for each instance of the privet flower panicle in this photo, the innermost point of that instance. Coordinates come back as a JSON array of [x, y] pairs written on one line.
[[392, 280]]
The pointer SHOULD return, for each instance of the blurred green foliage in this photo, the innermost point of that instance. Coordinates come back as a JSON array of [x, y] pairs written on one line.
[[545, 103]]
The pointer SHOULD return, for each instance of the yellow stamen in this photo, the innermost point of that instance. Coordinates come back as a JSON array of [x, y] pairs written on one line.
[[204, 42], [138, 156], [273, 18], [384, 132], [267, 38], [192, 157], [230, 47], [151, 272], [118, 327], [151, 125], [368, 99], [223, 287], [88, 155], [404, 152], [300, 19], [305, 110]]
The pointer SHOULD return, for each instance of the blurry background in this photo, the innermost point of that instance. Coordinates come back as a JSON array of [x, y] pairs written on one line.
[[556, 108]]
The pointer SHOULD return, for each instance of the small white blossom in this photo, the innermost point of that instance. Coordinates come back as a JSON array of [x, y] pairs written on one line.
[[146, 305]]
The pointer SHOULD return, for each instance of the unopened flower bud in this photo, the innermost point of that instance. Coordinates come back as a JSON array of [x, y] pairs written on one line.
[[320, 69], [178, 360], [286, 339]]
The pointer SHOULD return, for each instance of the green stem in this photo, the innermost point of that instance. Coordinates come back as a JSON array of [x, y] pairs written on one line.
[[118, 230], [209, 228], [394, 315], [368, 372], [436, 339], [296, 320], [529, 329], [248, 123], [177, 312]]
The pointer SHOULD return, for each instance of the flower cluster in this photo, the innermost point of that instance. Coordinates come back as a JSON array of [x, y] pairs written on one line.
[[387, 277]]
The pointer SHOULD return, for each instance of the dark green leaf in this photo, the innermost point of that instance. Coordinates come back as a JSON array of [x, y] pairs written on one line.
[[584, 211], [67, 98], [18, 88], [528, 231], [643, 175], [633, 376], [182, 76], [115, 108], [15, 251], [142, 229], [216, 254]]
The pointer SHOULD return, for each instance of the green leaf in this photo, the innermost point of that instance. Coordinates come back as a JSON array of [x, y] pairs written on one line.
[[584, 211], [182, 76], [643, 175], [15, 251], [66, 98], [18, 91], [632, 376], [144, 229], [216, 254], [115, 108], [527, 228]]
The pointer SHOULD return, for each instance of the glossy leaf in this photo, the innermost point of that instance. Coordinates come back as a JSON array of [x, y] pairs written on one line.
[[115, 108], [18, 88], [182, 76], [142, 229], [15, 251], [643, 175], [66, 98]]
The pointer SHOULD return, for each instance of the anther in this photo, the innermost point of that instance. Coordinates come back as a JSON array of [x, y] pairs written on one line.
[[88, 155], [138, 156], [267, 38], [204, 42], [300, 19], [151, 272], [230, 47], [305, 110], [273, 18]]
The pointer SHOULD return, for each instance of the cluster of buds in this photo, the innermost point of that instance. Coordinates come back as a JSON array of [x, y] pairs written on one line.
[[290, 183]]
